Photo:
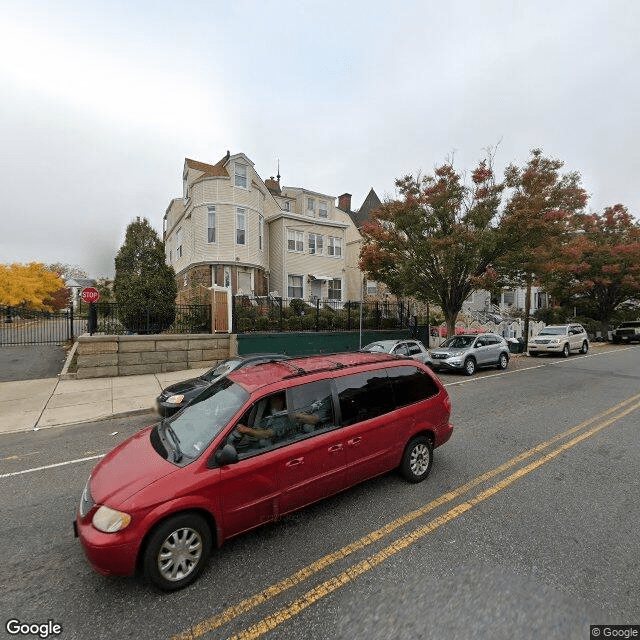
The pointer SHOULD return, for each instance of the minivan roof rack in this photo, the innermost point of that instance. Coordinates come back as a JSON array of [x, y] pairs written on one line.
[[333, 364]]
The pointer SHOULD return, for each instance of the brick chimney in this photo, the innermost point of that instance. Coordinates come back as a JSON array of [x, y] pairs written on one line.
[[344, 202]]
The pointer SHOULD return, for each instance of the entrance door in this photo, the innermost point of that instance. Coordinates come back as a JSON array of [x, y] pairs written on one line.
[[316, 290]]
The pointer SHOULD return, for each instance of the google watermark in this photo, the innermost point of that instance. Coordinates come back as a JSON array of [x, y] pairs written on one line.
[[614, 631], [47, 629]]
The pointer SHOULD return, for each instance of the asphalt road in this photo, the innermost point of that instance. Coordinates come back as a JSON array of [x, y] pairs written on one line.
[[526, 528], [31, 362]]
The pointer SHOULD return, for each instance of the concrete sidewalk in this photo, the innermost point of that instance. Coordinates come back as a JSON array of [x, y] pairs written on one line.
[[30, 404]]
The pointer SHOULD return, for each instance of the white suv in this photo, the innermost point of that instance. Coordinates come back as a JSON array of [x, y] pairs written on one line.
[[560, 338]]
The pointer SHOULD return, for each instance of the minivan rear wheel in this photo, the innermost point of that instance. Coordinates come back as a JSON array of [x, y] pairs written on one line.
[[585, 347], [417, 459], [177, 551]]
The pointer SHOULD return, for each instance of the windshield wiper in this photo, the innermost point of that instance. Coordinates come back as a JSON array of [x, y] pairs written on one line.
[[177, 452]]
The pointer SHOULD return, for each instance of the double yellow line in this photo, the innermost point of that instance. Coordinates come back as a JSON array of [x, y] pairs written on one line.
[[603, 420]]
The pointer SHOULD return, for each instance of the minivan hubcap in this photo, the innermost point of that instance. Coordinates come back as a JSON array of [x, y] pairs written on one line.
[[419, 462], [179, 554]]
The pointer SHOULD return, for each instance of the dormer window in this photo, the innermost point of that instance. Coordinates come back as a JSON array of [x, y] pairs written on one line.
[[322, 209], [287, 205], [241, 175], [311, 206]]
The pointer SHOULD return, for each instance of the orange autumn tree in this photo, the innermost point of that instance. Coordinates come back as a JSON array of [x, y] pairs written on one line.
[[598, 268], [31, 285], [541, 212]]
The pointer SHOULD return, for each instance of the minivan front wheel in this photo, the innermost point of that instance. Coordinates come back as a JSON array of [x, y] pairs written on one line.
[[503, 361], [565, 351], [177, 551], [417, 459]]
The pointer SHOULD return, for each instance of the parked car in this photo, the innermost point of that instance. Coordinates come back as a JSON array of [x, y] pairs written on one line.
[[260, 442], [627, 332], [560, 339], [176, 396], [467, 353], [413, 349]]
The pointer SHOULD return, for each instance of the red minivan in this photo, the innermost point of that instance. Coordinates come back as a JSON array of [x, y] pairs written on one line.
[[257, 444]]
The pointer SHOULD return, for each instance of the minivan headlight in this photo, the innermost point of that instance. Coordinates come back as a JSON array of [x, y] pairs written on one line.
[[175, 399], [110, 520]]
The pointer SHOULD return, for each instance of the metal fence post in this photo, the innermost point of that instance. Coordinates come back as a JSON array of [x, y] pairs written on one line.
[[318, 314], [280, 319], [70, 332], [349, 315]]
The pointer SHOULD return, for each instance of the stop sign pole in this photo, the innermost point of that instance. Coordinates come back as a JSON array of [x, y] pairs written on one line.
[[90, 295]]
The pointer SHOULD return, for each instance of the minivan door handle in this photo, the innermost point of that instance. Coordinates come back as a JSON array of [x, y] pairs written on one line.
[[295, 462], [354, 441], [336, 447]]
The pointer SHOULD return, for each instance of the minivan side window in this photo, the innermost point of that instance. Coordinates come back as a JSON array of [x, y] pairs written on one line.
[[312, 406], [410, 385], [364, 396]]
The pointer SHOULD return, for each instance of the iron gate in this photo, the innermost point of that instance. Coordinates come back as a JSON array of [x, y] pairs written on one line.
[[23, 326]]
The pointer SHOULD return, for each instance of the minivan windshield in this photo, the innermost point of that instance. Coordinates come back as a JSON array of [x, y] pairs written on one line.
[[553, 331], [458, 342], [203, 419]]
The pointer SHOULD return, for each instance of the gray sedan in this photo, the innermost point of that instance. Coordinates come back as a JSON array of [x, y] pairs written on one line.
[[467, 353], [413, 349]]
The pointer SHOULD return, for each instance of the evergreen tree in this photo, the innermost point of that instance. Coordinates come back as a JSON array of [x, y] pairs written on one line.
[[144, 285]]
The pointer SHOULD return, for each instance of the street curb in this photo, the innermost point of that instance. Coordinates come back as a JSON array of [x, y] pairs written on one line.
[[123, 414], [64, 375]]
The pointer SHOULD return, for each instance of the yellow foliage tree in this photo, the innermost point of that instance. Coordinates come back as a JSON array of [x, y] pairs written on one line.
[[28, 285]]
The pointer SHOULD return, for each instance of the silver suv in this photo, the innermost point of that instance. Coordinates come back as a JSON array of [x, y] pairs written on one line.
[[470, 352], [560, 339]]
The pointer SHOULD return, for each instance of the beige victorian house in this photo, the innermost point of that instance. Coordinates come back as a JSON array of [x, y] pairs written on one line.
[[234, 229]]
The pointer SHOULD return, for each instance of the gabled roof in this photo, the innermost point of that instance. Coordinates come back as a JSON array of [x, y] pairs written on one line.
[[370, 203]]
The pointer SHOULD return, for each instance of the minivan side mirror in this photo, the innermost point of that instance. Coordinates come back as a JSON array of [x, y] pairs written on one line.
[[226, 455]]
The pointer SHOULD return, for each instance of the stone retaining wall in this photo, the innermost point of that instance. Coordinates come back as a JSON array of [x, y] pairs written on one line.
[[109, 356]]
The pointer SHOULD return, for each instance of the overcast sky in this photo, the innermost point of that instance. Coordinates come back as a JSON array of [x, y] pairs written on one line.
[[101, 102]]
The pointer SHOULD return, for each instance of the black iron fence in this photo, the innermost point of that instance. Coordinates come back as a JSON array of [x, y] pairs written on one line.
[[268, 313], [111, 318], [21, 325]]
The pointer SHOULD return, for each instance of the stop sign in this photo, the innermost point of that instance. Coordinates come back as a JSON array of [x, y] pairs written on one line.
[[90, 294]]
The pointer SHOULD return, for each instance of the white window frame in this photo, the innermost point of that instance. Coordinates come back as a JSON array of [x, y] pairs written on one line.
[[260, 232], [334, 243], [297, 237], [315, 243], [211, 217], [241, 215], [241, 179], [323, 210], [331, 287], [226, 277], [290, 286], [311, 206], [179, 243], [287, 205]]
